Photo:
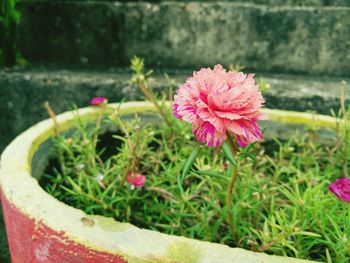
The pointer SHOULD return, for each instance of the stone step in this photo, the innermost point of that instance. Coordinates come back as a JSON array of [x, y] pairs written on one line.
[[23, 93], [307, 37]]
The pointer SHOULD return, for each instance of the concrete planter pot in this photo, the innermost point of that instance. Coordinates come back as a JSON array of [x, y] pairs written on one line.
[[43, 229]]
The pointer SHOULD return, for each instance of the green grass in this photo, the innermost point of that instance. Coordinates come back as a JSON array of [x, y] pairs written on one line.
[[281, 203]]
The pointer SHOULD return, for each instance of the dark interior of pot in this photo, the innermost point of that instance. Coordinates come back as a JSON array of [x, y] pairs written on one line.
[[45, 153]]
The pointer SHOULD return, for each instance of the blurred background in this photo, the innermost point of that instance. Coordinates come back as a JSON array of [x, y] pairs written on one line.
[[69, 51]]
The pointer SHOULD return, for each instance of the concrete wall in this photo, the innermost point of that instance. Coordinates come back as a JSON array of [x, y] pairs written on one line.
[[309, 39]]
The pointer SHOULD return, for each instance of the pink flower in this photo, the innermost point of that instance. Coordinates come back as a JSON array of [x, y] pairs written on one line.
[[341, 188], [215, 101], [136, 179], [96, 101]]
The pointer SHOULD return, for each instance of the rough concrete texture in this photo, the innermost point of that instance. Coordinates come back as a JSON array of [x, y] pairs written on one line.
[[298, 2], [69, 33], [23, 93], [263, 37]]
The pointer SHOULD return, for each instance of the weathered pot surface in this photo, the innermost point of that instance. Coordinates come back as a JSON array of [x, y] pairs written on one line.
[[43, 229]]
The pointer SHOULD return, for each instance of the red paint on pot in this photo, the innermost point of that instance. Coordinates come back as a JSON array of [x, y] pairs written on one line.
[[32, 241]]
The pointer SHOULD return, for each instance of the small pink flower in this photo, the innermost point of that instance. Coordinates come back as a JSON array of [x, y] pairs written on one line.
[[215, 101], [96, 101], [136, 179], [341, 188]]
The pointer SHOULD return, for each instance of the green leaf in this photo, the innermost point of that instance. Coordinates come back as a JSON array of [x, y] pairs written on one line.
[[329, 258], [189, 163], [137, 65], [249, 147], [305, 233], [249, 155], [213, 174], [228, 153], [292, 248], [75, 186], [335, 226], [187, 167]]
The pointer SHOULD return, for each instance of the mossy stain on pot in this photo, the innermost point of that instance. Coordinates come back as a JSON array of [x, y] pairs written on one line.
[[183, 252], [109, 224]]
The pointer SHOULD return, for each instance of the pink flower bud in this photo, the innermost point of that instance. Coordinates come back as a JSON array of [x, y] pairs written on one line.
[[136, 179], [96, 101], [341, 188]]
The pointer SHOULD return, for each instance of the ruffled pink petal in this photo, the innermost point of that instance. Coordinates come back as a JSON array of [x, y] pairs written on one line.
[[228, 115], [214, 120], [176, 112], [206, 133], [187, 113], [245, 131]]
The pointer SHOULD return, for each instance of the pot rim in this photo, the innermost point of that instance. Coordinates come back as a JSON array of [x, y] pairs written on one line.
[[108, 235]]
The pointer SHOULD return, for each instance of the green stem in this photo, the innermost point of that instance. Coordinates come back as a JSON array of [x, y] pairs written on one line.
[[229, 202], [199, 215], [142, 83], [57, 134], [98, 127]]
